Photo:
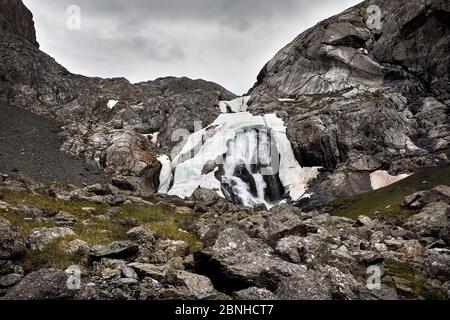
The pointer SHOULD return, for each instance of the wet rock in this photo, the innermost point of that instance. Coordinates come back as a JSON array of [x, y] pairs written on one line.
[[40, 238]]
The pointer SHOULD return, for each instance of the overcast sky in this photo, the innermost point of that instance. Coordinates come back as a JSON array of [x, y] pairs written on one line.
[[225, 41]]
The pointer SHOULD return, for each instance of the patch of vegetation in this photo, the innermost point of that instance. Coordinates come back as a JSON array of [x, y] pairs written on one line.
[[55, 255], [167, 224], [25, 226], [388, 201], [49, 204], [164, 220], [413, 280]]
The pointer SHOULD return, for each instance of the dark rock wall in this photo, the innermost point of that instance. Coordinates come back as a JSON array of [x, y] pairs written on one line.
[[17, 19]]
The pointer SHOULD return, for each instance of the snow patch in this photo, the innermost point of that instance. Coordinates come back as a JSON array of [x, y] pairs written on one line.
[[165, 176], [112, 103], [380, 179], [286, 100], [234, 106]]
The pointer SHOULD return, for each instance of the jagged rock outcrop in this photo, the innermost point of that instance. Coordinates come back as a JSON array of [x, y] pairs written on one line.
[[15, 18], [358, 99]]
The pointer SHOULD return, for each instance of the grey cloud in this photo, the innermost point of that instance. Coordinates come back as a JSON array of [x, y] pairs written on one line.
[[226, 41]]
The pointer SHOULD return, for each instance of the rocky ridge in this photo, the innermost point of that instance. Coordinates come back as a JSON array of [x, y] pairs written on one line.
[[357, 98]]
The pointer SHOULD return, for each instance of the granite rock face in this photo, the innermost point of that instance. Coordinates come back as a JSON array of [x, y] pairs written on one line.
[[15, 18], [359, 97]]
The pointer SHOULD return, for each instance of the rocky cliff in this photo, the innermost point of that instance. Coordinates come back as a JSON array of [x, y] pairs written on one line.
[[360, 96], [16, 19]]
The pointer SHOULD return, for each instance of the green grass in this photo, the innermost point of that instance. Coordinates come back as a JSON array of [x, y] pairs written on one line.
[[54, 255], [25, 226], [388, 201], [50, 204], [165, 221]]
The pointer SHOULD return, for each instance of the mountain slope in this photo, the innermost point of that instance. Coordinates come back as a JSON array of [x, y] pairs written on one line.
[[358, 99]]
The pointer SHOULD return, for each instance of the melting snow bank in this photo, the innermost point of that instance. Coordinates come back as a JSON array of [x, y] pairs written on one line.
[[234, 106], [380, 179], [231, 155]]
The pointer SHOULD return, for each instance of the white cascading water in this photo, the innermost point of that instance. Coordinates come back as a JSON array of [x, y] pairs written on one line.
[[250, 174], [247, 150]]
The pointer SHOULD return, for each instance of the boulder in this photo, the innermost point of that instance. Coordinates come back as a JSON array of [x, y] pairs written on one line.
[[282, 224], [149, 270], [304, 286], [78, 247], [236, 262], [255, 294], [38, 239], [45, 284], [204, 198], [311, 250], [10, 280], [115, 250], [437, 264], [200, 286], [432, 221], [141, 233], [11, 244], [173, 248], [64, 219]]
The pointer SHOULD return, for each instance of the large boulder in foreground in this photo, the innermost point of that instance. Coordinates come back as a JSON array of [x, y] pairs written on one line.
[[236, 262], [45, 284]]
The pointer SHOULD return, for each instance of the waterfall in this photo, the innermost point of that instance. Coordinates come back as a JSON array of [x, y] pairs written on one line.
[[245, 158], [243, 165]]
